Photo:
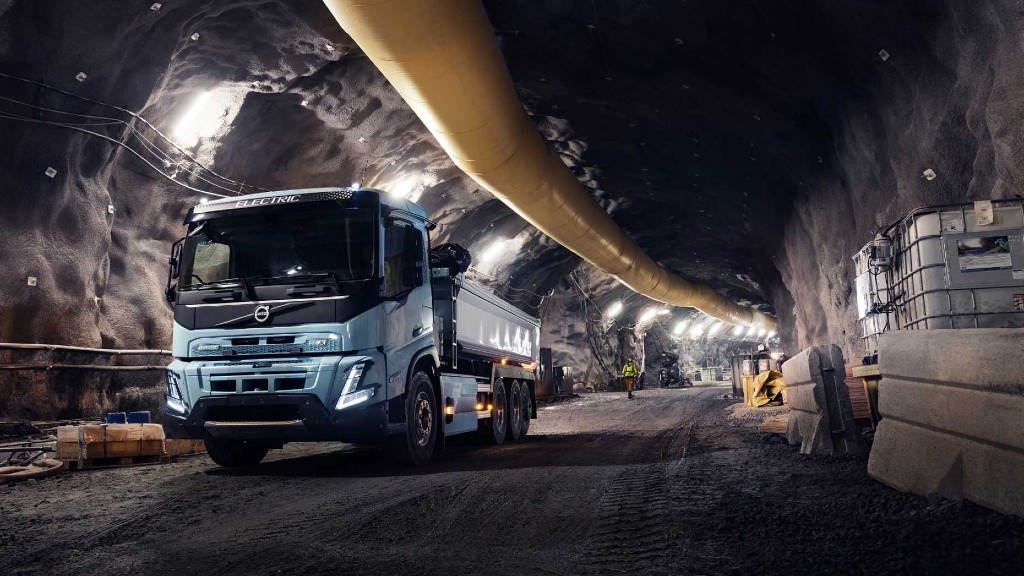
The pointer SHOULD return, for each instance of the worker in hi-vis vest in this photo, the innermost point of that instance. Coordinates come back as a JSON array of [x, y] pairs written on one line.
[[629, 373]]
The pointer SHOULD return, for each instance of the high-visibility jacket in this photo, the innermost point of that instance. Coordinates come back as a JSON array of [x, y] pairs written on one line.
[[629, 370]]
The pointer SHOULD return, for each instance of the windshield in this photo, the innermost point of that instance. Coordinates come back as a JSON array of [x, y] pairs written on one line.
[[328, 240]]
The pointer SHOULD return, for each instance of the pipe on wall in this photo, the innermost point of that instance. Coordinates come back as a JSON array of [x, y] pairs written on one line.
[[442, 58]]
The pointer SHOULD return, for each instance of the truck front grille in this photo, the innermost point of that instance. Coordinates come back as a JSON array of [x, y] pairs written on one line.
[[264, 382]]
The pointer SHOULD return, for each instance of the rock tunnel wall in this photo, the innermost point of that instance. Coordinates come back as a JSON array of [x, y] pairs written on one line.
[[776, 142], [948, 98]]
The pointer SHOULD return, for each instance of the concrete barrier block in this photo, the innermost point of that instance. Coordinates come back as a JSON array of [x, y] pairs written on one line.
[[926, 462], [986, 416], [952, 406], [822, 420]]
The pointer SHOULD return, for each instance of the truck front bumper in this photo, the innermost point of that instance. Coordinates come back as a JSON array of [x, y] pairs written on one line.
[[277, 418]]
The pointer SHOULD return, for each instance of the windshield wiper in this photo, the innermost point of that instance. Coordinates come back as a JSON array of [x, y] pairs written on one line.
[[311, 276], [202, 285]]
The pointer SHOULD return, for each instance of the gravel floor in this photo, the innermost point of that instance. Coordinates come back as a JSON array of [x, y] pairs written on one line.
[[673, 482]]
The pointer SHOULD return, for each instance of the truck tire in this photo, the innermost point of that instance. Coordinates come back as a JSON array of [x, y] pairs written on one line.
[[527, 411], [515, 410], [236, 453], [493, 429], [416, 446]]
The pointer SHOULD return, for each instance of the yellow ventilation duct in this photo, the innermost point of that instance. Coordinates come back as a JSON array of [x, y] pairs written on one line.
[[442, 57]]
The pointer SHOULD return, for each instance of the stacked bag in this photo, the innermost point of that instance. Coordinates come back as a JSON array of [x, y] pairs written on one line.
[[95, 441]]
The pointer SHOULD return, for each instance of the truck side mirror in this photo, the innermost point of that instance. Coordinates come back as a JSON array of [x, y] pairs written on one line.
[[173, 269], [412, 277]]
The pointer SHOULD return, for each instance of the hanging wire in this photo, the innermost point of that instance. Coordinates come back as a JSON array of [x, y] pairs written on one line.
[[8, 116], [150, 146], [138, 117]]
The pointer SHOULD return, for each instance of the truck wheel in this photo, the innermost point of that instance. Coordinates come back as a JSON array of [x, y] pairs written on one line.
[[515, 410], [492, 430], [236, 453], [416, 446], [524, 425]]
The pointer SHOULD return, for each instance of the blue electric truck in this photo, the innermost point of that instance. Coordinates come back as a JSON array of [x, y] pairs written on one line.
[[323, 314]]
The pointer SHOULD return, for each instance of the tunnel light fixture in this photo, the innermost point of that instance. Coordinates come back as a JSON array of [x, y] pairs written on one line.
[[647, 315], [714, 329], [203, 118], [737, 331], [664, 312], [772, 334], [492, 252], [761, 333], [751, 331], [697, 330], [680, 327], [613, 311], [403, 187]]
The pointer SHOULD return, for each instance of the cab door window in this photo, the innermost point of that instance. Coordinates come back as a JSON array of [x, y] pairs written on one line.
[[403, 257]]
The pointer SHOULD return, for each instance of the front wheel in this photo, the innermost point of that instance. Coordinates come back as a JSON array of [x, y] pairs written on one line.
[[236, 453], [416, 446]]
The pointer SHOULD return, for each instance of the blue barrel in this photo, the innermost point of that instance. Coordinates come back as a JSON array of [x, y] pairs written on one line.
[[116, 417], [140, 417]]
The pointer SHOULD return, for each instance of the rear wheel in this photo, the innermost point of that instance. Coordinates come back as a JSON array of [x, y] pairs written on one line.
[[515, 410], [492, 430], [524, 424], [416, 446], [236, 453]]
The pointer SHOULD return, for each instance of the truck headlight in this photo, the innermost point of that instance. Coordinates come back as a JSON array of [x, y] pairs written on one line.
[[175, 399], [350, 393]]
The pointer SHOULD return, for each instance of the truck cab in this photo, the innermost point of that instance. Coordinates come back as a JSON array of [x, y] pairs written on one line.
[[308, 315]]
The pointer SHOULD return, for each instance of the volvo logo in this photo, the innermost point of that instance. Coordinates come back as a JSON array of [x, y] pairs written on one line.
[[262, 314]]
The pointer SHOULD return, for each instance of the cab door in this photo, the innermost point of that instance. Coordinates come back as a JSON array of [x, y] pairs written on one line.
[[408, 308]]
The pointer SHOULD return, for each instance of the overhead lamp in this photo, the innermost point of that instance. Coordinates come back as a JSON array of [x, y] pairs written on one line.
[[493, 251], [614, 310], [648, 315], [202, 119], [752, 331], [761, 333], [696, 331], [680, 327], [714, 329], [664, 312], [738, 331], [772, 334]]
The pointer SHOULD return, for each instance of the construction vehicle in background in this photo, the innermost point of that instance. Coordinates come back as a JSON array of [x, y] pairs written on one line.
[[322, 314], [669, 375]]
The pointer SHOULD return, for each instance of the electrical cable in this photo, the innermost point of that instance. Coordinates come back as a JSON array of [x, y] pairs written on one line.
[[148, 144], [112, 140], [133, 115]]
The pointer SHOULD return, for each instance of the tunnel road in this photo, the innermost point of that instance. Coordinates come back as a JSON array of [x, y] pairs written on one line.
[[672, 482]]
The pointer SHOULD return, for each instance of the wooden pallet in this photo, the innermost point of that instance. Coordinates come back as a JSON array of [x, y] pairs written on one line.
[[121, 462], [858, 395], [775, 425]]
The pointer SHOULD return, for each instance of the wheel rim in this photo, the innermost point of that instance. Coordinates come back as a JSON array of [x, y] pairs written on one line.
[[424, 419], [516, 403], [498, 413], [527, 409]]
